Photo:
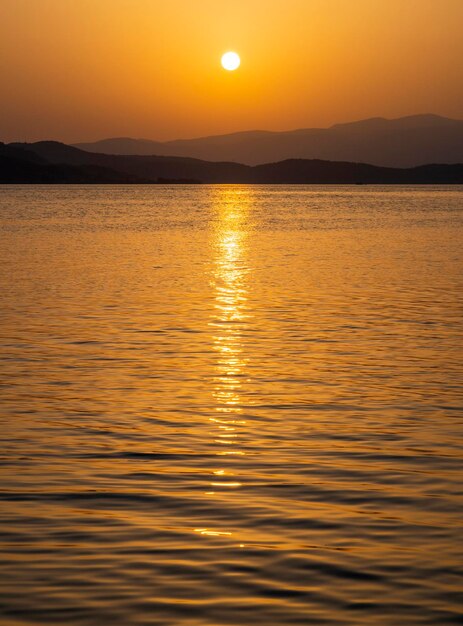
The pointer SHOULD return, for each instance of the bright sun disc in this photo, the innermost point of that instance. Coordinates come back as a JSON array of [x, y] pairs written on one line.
[[231, 61]]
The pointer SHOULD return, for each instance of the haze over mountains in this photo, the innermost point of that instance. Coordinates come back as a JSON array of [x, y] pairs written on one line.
[[53, 162], [403, 142]]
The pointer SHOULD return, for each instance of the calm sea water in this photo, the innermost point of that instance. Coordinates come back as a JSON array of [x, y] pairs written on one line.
[[231, 405]]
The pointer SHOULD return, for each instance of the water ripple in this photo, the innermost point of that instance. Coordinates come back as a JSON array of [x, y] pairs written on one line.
[[231, 405]]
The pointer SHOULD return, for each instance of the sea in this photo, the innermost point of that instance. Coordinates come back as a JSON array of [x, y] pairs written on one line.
[[231, 405]]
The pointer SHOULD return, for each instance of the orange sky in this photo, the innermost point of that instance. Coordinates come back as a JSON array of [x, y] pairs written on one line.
[[77, 70]]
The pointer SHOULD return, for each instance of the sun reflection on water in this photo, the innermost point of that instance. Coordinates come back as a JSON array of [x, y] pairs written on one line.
[[229, 322]]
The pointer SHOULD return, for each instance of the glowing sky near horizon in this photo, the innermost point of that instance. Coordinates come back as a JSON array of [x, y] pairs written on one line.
[[77, 71]]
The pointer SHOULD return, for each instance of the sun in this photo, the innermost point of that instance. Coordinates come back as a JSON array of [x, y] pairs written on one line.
[[231, 61]]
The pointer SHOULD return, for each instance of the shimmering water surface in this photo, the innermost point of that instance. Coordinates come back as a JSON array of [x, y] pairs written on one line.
[[231, 405]]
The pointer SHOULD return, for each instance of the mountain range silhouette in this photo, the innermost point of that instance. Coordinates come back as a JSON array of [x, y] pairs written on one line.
[[403, 142], [54, 162]]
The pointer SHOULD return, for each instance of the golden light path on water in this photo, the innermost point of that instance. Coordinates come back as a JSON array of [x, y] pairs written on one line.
[[230, 318]]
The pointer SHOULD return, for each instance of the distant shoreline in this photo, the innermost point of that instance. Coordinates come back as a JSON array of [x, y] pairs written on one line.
[[50, 162], [109, 184]]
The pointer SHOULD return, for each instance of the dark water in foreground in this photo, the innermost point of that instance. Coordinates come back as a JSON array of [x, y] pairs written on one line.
[[231, 405]]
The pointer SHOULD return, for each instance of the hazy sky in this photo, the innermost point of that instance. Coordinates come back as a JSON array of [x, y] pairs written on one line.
[[86, 69]]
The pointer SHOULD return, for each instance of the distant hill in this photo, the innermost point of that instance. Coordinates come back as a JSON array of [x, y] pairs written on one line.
[[50, 161], [150, 168], [19, 165], [403, 142]]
